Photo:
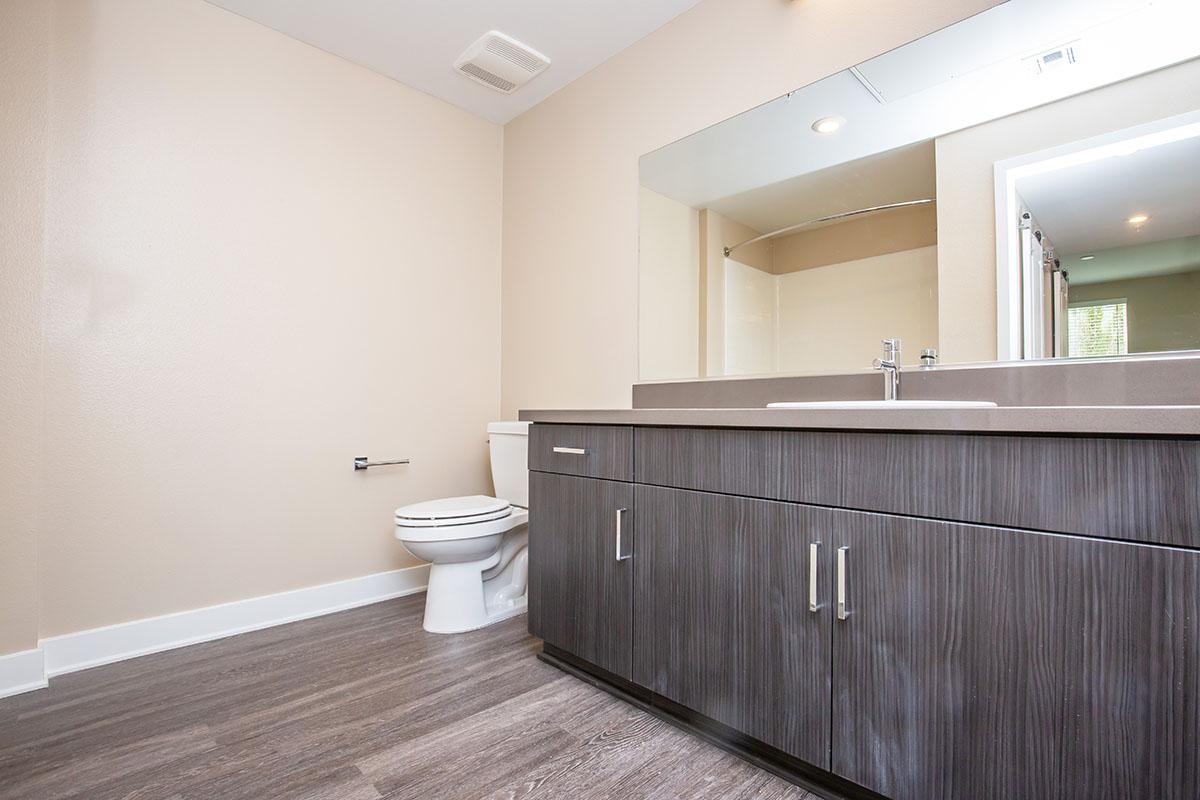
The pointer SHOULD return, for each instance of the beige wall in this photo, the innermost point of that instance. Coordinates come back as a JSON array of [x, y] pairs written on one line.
[[873, 235], [571, 178], [249, 249], [24, 64], [262, 261], [833, 317], [966, 194], [1163, 312], [669, 287], [722, 232]]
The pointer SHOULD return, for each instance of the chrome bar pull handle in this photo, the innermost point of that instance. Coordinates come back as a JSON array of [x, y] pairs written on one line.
[[362, 462], [813, 551], [620, 557], [571, 451], [841, 582]]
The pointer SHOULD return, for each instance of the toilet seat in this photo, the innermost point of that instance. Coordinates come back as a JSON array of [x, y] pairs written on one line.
[[457, 518], [452, 511]]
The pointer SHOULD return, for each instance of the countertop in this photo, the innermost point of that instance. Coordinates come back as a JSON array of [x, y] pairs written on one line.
[[1068, 420]]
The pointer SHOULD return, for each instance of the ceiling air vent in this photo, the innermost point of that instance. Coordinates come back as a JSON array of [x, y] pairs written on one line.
[[1058, 58], [501, 62]]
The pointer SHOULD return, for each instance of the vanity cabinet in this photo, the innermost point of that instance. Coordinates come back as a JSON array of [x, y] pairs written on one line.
[[986, 662], [580, 594], [914, 657], [731, 602]]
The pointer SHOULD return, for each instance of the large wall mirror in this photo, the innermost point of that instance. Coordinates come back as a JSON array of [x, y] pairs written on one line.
[[1024, 184]]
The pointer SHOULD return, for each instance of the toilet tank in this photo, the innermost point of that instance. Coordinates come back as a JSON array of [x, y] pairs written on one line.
[[509, 443]]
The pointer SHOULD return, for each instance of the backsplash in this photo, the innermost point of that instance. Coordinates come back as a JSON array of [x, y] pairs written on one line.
[[1165, 380]]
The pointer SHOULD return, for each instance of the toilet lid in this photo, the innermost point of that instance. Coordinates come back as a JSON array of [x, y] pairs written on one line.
[[453, 511]]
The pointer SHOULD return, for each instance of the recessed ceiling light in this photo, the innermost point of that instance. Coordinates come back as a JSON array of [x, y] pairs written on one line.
[[1086, 258], [1138, 219], [828, 124]]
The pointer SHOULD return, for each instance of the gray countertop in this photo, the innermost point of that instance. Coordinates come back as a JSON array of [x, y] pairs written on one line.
[[1095, 420]]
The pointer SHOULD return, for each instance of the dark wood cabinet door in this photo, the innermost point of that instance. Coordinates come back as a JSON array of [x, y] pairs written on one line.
[[722, 618], [580, 595], [978, 662]]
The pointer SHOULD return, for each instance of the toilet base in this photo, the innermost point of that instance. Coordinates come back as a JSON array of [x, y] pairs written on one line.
[[490, 618], [444, 615], [470, 595]]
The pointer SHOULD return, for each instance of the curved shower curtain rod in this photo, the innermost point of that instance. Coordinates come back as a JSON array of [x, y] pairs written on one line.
[[830, 218]]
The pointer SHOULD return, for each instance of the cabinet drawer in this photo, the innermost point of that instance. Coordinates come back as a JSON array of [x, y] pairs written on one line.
[[1137, 489], [593, 451], [1142, 490], [801, 466]]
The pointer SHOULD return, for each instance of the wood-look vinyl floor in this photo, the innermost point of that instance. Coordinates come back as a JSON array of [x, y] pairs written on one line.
[[359, 705]]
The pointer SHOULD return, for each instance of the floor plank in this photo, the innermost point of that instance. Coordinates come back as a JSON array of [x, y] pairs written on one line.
[[360, 705]]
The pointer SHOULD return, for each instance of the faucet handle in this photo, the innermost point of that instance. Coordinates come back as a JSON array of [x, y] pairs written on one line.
[[891, 349]]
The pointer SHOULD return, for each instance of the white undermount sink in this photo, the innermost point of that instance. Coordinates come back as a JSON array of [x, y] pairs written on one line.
[[850, 405]]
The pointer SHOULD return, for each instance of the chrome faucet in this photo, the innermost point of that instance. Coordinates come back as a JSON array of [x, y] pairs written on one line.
[[890, 366]]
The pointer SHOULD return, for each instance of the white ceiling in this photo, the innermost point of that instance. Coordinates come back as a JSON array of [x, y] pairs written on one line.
[[416, 41], [1083, 208], [1139, 261], [906, 173]]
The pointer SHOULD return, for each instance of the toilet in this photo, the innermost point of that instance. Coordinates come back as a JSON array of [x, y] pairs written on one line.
[[476, 546]]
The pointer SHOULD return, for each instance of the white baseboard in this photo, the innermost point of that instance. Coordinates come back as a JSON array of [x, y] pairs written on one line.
[[22, 672]]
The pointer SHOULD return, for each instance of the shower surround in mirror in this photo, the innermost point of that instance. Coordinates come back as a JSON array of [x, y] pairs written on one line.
[[754, 258]]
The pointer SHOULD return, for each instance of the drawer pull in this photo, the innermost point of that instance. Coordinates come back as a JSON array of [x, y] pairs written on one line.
[[571, 451], [841, 582], [620, 557], [813, 550]]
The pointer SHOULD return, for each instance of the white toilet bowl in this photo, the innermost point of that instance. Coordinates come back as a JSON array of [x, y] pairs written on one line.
[[478, 564], [476, 546]]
